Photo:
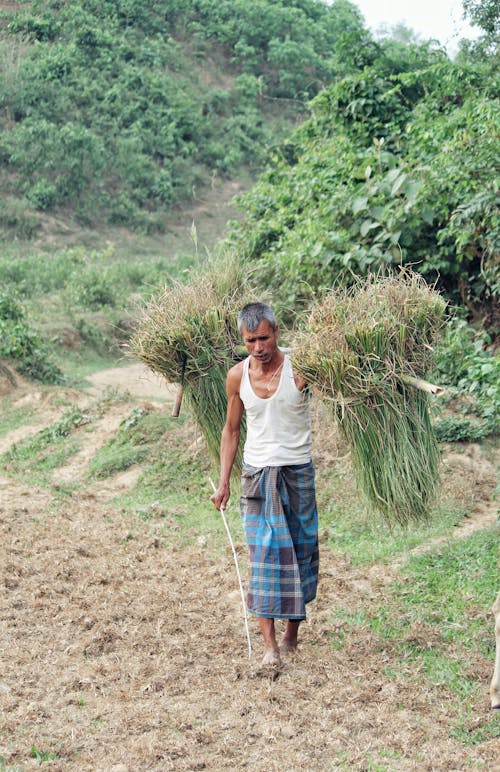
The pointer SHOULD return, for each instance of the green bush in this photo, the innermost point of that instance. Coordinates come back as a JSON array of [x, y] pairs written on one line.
[[467, 365], [460, 429], [92, 289], [388, 170], [23, 345], [10, 306], [43, 194], [95, 337]]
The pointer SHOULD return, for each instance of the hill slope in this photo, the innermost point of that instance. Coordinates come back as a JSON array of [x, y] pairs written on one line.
[[114, 111]]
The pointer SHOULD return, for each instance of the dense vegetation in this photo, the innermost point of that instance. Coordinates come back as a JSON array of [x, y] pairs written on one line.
[[389, 169], [20, 342], [114, 110]]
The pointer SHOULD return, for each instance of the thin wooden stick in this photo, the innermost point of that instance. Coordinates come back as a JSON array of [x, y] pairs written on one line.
[[180, 392], [238, 573], [419, 383]]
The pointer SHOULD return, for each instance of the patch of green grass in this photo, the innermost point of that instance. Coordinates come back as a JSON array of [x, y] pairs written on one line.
[[450, 590], [78, 363], [134, 442], [453, 586], [13, 417], [475, 735], [444, 668], [173, 493], [362, 537], [437, 618], [42, 756], [48, 449], [61, 492]]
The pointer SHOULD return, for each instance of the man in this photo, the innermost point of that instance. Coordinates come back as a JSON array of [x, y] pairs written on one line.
[[278, 496]]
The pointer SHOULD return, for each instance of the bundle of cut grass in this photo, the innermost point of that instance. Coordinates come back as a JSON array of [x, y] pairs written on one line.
[[189, 335], [366, 350]]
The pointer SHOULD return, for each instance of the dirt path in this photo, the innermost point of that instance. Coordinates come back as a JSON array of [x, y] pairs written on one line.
[[118, 653], [136, 379]]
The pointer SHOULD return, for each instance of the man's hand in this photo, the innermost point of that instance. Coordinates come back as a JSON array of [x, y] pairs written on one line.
[[221, 496]]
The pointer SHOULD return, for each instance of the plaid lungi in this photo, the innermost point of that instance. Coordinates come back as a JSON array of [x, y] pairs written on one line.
[[280, 519]]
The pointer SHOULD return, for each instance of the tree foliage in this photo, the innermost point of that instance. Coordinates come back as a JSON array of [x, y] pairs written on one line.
[[120, 107], [116, 109], [388, 170], [484, 13]]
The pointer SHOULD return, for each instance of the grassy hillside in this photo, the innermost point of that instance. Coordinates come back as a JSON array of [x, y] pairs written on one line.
[[116, 111]]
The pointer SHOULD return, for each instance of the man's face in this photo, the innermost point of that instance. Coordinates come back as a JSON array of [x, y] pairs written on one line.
[[262, 342]]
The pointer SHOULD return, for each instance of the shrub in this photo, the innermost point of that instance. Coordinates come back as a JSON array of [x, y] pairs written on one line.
[[23, 345], [467, 364], [18, 218], [10, 306], [93, 289], [43, 194], [454, 428], [388, 170]]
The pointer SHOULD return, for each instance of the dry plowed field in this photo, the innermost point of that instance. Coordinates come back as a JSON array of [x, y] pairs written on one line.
[[119, 653]]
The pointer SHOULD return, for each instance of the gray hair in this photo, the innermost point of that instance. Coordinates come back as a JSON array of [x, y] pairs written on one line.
[[253, 314]]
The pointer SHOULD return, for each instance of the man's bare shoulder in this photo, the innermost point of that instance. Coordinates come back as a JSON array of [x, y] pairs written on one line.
[[234, 376]]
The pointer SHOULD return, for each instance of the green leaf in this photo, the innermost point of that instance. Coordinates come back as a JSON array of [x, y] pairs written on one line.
[[392, 175], [359, 204], [411, 191], [367, 226], [427, 214], [398, 184]]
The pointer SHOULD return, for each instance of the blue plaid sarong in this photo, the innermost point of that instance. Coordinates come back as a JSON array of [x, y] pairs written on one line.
[[280, 519]]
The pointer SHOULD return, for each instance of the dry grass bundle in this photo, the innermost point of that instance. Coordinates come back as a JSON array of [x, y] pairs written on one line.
[[364, 349], [189, 335]]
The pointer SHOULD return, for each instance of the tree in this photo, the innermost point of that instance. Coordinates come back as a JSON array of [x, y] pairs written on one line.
[[484, 14]]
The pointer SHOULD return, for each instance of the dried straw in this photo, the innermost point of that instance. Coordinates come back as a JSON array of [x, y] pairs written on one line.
[[362, 348], [189, 333]]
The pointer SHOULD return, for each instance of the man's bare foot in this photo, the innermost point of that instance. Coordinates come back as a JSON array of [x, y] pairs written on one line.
[[271, 658], [288, 647], [288, 644]]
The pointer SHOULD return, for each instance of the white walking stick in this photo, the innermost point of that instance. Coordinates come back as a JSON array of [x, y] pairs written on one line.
[[239, 575]]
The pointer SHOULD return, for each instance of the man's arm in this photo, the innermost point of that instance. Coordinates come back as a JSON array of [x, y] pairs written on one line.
[[230, 437]]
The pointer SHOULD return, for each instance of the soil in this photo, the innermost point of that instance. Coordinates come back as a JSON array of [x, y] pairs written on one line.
[[118, 653]]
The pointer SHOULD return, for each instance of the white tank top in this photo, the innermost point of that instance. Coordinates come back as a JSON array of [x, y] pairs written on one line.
[[278, 428]]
